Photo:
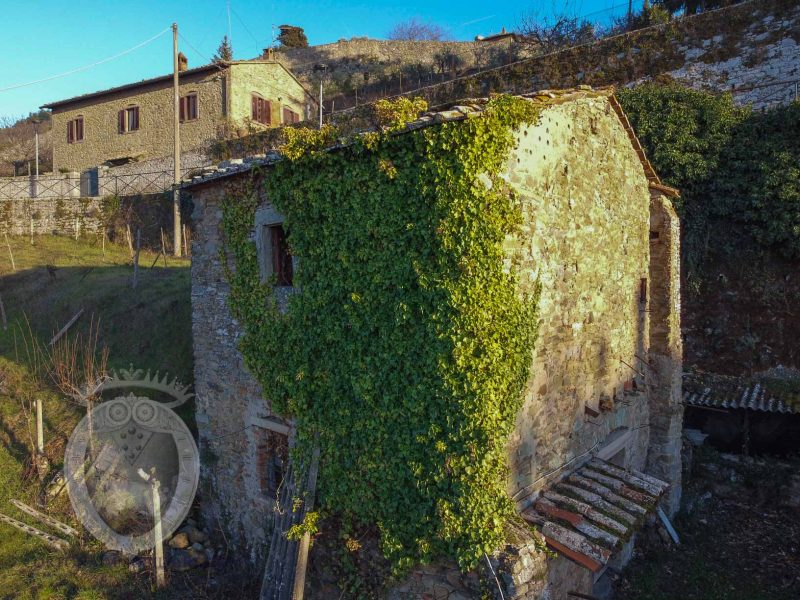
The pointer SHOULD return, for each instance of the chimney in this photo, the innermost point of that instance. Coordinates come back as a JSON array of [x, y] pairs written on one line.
[[183, 62]]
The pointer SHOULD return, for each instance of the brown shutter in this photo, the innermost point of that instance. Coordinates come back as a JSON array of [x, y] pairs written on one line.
[[182, 109], [267, 112], [136, 117], [78, 130], [70, 132], [121, 121], [254, 104]]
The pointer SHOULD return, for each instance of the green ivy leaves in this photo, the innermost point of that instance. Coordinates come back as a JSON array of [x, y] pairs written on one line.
[[409, 345]]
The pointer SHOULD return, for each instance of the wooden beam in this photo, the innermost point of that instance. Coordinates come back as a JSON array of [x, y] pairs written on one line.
[[64, 329], [50, 540], [46, 519]]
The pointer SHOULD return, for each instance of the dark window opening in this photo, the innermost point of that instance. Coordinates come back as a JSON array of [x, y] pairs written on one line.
[[282, 266], [643, 290], [188, 107], [75, 130], [272, 452], [261, 110], [654, 235], [128, 119]]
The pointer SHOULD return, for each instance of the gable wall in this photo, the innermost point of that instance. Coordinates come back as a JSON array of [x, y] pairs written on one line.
[[272, 82], [586, 241]]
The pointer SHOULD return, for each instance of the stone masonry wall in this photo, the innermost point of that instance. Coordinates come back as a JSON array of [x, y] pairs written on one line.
[[154, 137], [666, 350], [52, 216], [229, 402], [585, 241]]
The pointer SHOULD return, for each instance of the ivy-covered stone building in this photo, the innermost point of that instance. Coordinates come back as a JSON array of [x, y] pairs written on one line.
[[577, 241]]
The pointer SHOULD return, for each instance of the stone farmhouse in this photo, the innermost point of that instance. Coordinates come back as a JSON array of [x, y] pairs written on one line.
[[134, 121], [597, 443]]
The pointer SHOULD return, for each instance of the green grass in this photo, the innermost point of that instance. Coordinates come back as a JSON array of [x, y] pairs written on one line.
[[148, 327]]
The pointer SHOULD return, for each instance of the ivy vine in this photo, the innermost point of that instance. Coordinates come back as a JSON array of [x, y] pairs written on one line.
[[407, 350]]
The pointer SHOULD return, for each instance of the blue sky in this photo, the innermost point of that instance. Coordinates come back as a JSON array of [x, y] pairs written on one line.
[[49, 37]]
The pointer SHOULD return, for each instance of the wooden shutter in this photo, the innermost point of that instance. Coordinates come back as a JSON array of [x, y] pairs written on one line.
[[135, 110], [182, 105], [70, 132], [267, 112], [254, 104], [191, 106], [121, 121], [79, 129]]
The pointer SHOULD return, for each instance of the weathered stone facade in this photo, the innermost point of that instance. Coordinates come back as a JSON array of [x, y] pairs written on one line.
[[52, 216], [223, 100], [595, 387]]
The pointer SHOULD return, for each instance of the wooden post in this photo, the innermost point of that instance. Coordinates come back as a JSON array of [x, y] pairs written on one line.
[[157, 534], [130, 239], [176, 195], [305, 542], [185, 241], [3, 314], [136, 258], [63, 330], [39, 427], [11, 254]]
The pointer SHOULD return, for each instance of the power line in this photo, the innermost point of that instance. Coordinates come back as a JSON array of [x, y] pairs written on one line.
[[85, 67]]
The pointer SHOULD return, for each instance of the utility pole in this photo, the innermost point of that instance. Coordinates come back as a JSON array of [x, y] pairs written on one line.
[[176, 195], [630, 13], [320, 103], [36, 143]]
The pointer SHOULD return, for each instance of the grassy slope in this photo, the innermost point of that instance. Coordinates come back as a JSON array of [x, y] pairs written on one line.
[[148, 327]]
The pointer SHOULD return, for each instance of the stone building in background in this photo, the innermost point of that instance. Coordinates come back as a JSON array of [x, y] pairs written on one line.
[[135, 121], [596, 445]]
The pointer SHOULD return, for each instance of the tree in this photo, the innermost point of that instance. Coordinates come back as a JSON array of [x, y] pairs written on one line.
[[224, 52], [691, 7], [292, 37], [416, 30], [560, 28]]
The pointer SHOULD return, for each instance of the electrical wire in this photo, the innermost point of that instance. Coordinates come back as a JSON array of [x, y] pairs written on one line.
[[85, 67]]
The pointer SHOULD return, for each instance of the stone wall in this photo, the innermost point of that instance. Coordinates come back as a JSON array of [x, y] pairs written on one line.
[[223, 99], [154, 137], [751, 43], [275, 84], [585, 241], [666, 349], [52, 216], [230, 408]]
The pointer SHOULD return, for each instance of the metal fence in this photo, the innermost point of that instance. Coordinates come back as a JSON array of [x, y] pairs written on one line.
[[90, 183]]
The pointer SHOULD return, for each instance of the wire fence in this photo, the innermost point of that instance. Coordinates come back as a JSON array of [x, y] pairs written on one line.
[[88, 184]]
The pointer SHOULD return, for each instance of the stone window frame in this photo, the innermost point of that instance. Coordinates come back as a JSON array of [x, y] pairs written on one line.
[[267, 217], [74, 127], [185, 105]]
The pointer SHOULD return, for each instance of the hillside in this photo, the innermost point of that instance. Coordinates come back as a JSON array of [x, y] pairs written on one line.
[[148, 327]]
